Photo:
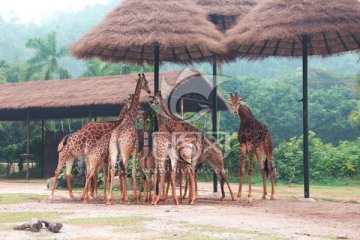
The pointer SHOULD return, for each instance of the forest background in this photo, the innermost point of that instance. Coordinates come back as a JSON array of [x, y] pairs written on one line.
[[272, 88]]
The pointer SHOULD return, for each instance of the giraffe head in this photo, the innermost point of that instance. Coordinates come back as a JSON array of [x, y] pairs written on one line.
[[127, 102], [144, 83], [155, 101], [235, 101]]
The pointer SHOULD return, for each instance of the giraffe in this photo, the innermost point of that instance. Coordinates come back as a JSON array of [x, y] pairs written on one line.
[[146, 162], [186, 146], [165, 160], [97, 157], [211, 151], [77, 144], [254, 138], [123, 142]]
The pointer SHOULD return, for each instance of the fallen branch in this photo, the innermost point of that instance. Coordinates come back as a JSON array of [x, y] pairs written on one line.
[[35, 225], [53, 227]]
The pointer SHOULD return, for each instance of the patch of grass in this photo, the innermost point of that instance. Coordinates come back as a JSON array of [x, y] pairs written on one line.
[[12, 217], [11, 198], [328, 199], [33, 173], [113, 221], [208, 231], [128, 224]]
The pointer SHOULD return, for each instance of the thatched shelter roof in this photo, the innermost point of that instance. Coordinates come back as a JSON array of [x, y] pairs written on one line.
[[130, 32], [224, 13], [102, 96], [275, 28]]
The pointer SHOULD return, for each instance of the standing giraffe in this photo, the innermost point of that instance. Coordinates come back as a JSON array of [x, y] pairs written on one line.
[[146, 162], [77, 144], [187, 145], [123, 141], [97, 157], [211, 151], [254, 138], [166, 159]]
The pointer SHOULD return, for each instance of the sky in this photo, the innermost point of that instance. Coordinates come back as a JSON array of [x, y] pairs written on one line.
[[34, 11]]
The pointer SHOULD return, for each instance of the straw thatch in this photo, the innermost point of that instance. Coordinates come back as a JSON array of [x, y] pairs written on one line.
[[130, 32], [276, 27], [224, 13], [103, 96]]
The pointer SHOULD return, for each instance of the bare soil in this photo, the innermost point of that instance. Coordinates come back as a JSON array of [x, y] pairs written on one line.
[[288, 217]]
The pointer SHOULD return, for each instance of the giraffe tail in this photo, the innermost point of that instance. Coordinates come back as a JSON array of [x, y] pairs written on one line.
[[63, 142], [274, 173]]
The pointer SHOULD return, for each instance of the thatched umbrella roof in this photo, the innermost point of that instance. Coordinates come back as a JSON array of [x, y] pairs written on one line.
[[132, 30], [224, 13], [276, 27], [298, 28], [102, 96]]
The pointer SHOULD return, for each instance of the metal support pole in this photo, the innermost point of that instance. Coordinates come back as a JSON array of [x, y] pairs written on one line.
[[214, 116], [156, 76], [156, 67], [305, 117], [42, 147], [27, 144]]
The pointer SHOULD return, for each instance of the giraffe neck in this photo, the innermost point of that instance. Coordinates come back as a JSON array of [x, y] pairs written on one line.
[[122, 112], [245, 113], [133, 110], [172, 121]]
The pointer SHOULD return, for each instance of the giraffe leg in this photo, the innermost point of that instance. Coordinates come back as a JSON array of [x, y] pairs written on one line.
[[149, 181], [192, 194], [186, 186], [242, 168], [110, 199], [250, 170], [173, 163], [168, 183], [88, 182], [173, 187], [69, 165], [224, 176], [156, 196], [105, 179], [133, 171], [62, 159], [180, 185], [142, 184], [259, 158], [123, 165], [268, 161]]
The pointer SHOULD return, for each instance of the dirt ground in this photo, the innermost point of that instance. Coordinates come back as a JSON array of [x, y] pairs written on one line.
[[285, 218]]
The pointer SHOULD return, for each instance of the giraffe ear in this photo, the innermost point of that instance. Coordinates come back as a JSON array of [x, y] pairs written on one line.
[[229, 100]]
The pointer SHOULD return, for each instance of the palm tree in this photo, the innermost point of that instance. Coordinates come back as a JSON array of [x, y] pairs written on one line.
[[96, 67], [46, 58]]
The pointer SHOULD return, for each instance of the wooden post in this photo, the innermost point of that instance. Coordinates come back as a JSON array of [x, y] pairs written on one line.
[[27, 144], [214, 116], [42, 147]]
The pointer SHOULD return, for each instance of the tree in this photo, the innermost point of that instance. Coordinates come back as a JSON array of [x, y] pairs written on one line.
[[354, 116], [45, 64]]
